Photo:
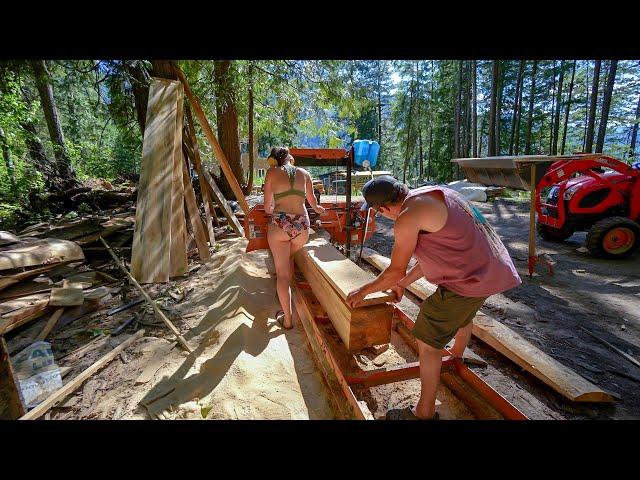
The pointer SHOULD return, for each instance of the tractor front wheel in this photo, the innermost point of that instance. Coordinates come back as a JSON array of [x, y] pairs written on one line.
[[613, 237], [553, 234]]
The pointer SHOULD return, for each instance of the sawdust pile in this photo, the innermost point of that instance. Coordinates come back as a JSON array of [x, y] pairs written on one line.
[[245, 365]]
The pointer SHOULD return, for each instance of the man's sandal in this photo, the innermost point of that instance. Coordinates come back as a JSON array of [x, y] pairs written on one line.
[[280, 320], [407, 413]]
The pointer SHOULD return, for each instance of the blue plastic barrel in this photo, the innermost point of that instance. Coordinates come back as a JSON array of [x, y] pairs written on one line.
[[365, 151]]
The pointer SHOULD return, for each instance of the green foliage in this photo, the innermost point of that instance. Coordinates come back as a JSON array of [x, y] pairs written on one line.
[[408, 106]]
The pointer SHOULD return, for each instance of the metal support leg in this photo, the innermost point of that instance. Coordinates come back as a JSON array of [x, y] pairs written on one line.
[[349, 220]]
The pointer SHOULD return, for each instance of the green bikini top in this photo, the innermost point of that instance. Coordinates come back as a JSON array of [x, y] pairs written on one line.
[[291, 172]]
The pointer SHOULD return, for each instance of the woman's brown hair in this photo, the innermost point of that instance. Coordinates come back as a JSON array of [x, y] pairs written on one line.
[[279, 153]]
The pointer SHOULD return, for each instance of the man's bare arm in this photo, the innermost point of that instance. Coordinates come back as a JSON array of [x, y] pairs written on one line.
[[414, 274], [406, 235], [422, 213]]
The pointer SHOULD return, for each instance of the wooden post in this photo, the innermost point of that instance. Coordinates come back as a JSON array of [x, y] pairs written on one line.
[[192, 141], [11, 406], [219, 153], [194, 216], [532, 220], [224, 206], [153, 304]]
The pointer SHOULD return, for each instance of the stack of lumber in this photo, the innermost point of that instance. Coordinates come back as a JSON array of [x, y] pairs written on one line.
[[159, 243], [166, 197], [87, 229], [513, 346], [332, 276], [40, 276]]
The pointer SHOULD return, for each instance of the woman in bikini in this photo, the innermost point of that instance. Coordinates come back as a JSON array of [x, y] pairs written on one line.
[[285, 189]]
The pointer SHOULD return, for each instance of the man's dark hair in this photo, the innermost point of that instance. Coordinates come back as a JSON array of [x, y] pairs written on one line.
[[383, 190]]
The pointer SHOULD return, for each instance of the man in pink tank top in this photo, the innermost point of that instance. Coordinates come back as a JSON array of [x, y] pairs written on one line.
[[457, 250]]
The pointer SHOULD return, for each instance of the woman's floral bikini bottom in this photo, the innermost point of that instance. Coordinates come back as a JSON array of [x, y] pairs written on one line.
[[292, 224]]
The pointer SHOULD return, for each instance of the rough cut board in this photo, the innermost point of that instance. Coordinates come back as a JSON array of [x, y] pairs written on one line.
[[71, 294], [343, 274], [150, 253], [178, 256], [30, 252], [6, 238], [217, 149], [217, 194], [194, 216], [22, 310], [513, 346], [191, 139], [559, 377], [11, 407], [358, 328], [7, 280]]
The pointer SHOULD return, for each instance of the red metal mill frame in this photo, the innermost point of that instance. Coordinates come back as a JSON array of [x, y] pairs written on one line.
[[340, 383]]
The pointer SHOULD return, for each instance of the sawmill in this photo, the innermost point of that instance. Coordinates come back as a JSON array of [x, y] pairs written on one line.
[[182, 324]]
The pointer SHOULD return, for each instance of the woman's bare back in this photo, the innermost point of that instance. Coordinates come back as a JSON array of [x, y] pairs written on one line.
[[280, 183]]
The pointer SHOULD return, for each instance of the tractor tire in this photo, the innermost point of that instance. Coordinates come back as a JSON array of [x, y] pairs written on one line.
[[553, 234], [613, 237]]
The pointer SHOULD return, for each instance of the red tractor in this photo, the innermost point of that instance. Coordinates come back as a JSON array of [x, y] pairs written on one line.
[[595, 193]]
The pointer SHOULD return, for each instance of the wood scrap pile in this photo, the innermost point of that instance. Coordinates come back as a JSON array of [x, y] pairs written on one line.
[[50, 292], [57, 280]]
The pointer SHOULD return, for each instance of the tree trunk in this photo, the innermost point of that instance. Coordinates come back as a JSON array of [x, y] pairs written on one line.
[[586, 107], [532, 94], [606, 105], [482, 124], [406, 156], [588, 146], [64, 175], [36, 152], [456, 127], [421, 157], [249, 186], [516, 106], [8, 161], [566, 113], [516, 147], [164, 69], [431, 88], [474, 112], [227, 123], [379, 105], [467, 111], [499, 108], [429, 174], [492, 151], [556, 122], [634, 132], [139, 80], [419, 123], [553, 109]]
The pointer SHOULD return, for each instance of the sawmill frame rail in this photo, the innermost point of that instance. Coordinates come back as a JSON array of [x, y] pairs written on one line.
[[481, 399]]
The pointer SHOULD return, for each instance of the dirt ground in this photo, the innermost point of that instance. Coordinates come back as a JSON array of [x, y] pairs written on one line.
[[602, 296], [244, 365]]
